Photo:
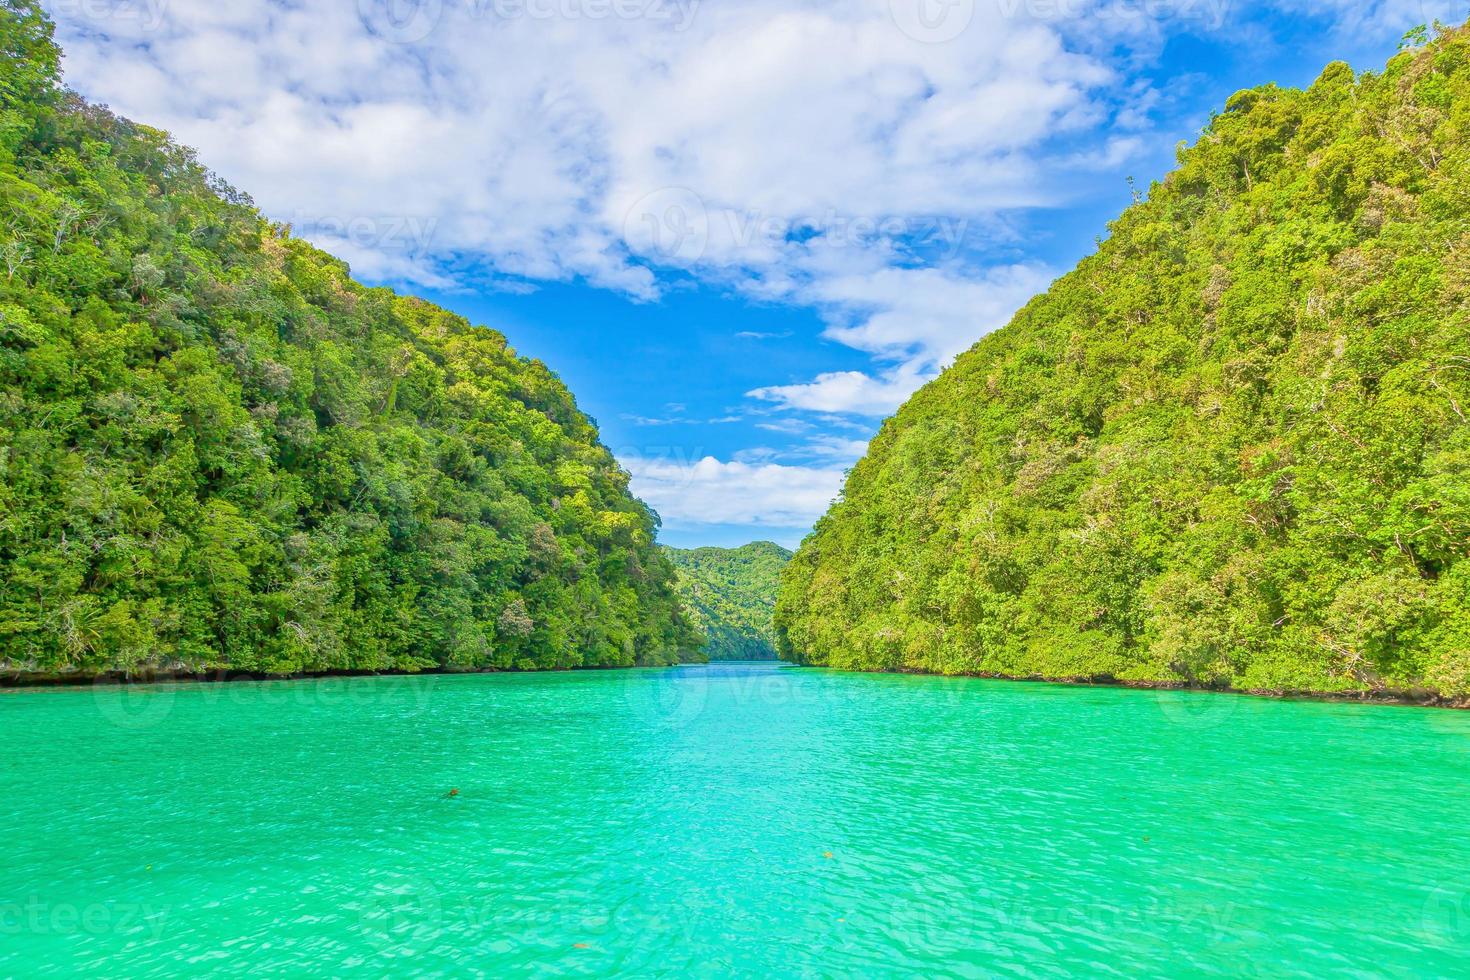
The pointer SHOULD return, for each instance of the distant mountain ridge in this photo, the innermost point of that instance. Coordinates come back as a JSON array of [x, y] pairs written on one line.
[[731, 595]]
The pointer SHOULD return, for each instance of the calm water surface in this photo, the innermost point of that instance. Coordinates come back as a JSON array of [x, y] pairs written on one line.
[[742, 819]]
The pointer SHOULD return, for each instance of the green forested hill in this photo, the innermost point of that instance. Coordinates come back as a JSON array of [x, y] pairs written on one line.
[[219, 451], [731, 593], [1229, 448]]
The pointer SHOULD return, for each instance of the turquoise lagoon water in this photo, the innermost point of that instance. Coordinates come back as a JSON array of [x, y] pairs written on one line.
[[727, 820]]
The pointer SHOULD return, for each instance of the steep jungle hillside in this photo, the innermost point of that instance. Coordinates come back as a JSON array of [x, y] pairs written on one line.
[[731, 593], [1230, 448], [218, 451]]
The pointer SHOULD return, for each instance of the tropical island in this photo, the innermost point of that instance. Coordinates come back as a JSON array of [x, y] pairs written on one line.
[[1228, 450], [222, 453]]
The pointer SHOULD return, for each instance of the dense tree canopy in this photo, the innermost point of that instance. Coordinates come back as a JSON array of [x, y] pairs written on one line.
[[731, 595], [1229, 448], [218, 451]]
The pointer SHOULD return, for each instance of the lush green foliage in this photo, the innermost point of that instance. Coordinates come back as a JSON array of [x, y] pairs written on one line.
[[731, 595], [219, 451], [1230, 448]]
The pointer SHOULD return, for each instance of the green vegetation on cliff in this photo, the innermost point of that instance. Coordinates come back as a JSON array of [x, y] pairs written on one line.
[[731, 595], [1229, 448], [218, 451]]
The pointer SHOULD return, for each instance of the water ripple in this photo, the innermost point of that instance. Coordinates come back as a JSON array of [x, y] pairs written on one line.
[[727, 820]]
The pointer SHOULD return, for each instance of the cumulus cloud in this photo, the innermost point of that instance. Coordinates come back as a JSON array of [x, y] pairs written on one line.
[[1375, 17], [919, 318], [790, 149], [597, 140], [761, 487], [836, 448], [817, 152], [709, 491], [847, 391], [847, 155]]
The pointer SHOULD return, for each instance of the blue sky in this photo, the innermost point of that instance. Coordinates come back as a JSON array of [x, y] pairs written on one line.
[[743, 231]]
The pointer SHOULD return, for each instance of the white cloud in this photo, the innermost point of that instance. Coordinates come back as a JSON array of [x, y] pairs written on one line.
[[837, 448], [809, 152], [533, 143], [710, 491], [1360, 18], [826, 448], [813, 152], [918, 318], [847, 391]]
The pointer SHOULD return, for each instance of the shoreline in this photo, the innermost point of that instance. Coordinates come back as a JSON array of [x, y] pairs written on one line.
[[20, 679], [1387, 697], [13, 679]]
